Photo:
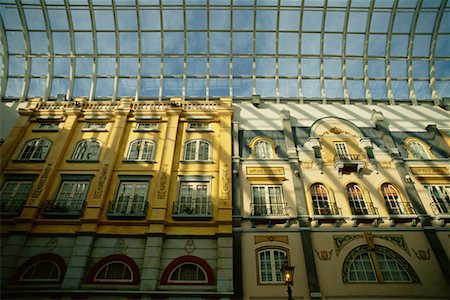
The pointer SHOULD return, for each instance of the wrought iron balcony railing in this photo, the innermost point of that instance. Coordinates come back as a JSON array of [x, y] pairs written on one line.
[[126, 207], [272, 209], [399, 208], [363, 209], [194, 210], [64, 208], [328, 209], [11, 207], [347, 157]]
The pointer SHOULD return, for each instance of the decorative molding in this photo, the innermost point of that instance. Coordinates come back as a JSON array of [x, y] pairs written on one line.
[[336, 130], [369, 239], [101, 182], [307, 164], [270, 238], [386, 164], [225, 185], [162, 182], [52, 244], [37, 191], [422, 254], [121, 246], [341, 240], [398, 240], [324, 255], [265, 171], [190, 246], [429, 170]]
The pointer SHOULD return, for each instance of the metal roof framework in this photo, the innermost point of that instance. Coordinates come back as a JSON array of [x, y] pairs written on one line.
[[349, 51]]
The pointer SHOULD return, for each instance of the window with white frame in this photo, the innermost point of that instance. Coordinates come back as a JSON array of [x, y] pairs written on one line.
[[35, 149], [418, 150], [342, 150], [268, 200], [356, 200], [146, 126], [46, 270], [193, 198], [71, 196], [440, 198], [392, 199], [114, 271], [263, 149], [86, 150], [131, 197], [188, 273], [270, 262], [47, 126], [95, 126], [379, 264], [14, 194], [321, 200], [198, 126], [141, 150], [197, 150]]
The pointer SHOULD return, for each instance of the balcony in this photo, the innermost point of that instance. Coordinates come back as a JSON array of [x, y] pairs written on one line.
[[327, 213], [11, 208], [348, 163], [401, 212], [441, 211], [126, 207], [364, 213], [64, 209], [192, 210]]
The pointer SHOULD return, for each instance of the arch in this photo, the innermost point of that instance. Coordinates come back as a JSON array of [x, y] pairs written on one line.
[[35, 149], [128, 271], [378, 265], [142, 149], [197, 150], [270, 260], [187, 260], [87, 149], [322, 201], [329, 124], [46, 268], [263, 147], [358, 200], [394, 200], [418, 149]]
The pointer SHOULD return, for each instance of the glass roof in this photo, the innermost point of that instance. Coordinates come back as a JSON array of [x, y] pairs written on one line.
[[348, 50]]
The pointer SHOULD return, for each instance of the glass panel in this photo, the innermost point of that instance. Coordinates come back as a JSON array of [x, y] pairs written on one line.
[[399, 45], [195, 87], [105, 87], [400, 89], [398, 68], [37, 87], [128, 66], [196, 66], [380, 22], [221, 19], [310, 43], [61, 42], [265, 66], [420, 68], [354, 68], [196, 42], [196, 19], [332, 67], [355, 44], [149, 87], [173, 66], [173, 19], [425, 23], [38, 41], [126, 87], [312, 20], [333, 88], [172, 86], [149, 19], [106, 66], [445, 23], [422, 89], [81, 19], [266, 19], [35, 19], [106, 42], [58, 19], [16, 65], [422, 45], [173, 42], [377, 44], [151, 42], [289, 20], [59, 86], [403, 21], [39, 66], [376, 68], [242, 87], [311, 88], [83, 42], [265, 87], [242, 66], [128, 42], [332, 43], [310, 67], [219, 66], [265, 43], [378, 89], [287, 67], [357, 21], [14, 87], [219, 87], [82, 87], [219, 42], [442, 68], [127, 19], [104, 19], [288, 87], [356, 89], [334, 21], [443, 45], [443, 88], [84, 66], [151, 66], [287, 43], [243, 19], [10, 17], [242, 42]]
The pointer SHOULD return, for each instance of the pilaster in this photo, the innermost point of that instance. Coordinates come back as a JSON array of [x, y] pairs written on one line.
[[77, 265], [152, 261], [224, 280], [11, 252]]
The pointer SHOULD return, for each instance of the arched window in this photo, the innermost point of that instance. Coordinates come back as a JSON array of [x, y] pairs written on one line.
[[418, 150], [394, 203], [321, 200], [86, 150], [188, 270], [263, 149], [141, 149], [197, 150], [43, 268], [379, 264], [114, 269], [357, 202], [35, 149], [270, 262]]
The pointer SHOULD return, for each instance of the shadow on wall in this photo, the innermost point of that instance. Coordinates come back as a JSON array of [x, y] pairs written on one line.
[[8, 117]]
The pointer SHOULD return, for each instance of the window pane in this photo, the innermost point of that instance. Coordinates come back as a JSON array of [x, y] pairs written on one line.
[[105, 87], [356, 89], [312, 20], [149, 87], [219, 66], [195, 87], [265, 87], [287, 67], [332, 67], [242, 66], [377, 45], [355, 44], [242, 42], [333, 88], [310, 43], [172, 86], [422, 89], [398, 68], [400, 89], [287, 43], [219, 42], [311, 88], [126, 87], [128, 42], [242, 87], [378, 89], [422, 45], [61, 42], [399, 45], [265, 66], [219, 87], [151, 66], [288, 88], [354, 67], [376, 68], [310, 67], [196, 42], [357, 21], [128, 66]]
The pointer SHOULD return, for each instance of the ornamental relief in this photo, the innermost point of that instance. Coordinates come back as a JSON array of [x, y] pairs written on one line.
[[340, 241], [37, 191], [336, 130]]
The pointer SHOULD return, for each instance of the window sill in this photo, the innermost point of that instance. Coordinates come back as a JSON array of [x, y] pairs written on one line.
[[44, 130], [196, 161], [189, 217], [199, 130], [132, 161], [94, 130], [395, 219], [145, 130], [28, 160], [83, 161]]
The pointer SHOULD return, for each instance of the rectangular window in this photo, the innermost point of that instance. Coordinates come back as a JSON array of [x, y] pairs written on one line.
[[131, 198], [95, 126], [13, 196], [193, 200], [198, 126], [71, 197], [440, 197], [46, 127], [268, 201], [341, 151], [146, 126]]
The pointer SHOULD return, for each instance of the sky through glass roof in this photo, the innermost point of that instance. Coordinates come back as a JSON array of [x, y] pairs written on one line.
[[347, 50]]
